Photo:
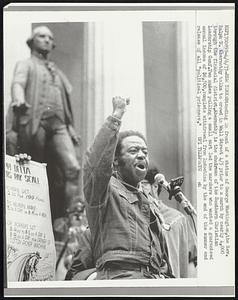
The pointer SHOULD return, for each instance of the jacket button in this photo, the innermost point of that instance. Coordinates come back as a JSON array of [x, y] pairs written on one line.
[[146, 207]]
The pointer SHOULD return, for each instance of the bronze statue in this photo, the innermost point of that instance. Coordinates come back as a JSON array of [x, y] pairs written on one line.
[[42, 115]]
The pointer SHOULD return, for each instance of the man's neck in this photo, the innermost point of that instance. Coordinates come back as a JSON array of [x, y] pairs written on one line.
[[125, 183], [39, 55]]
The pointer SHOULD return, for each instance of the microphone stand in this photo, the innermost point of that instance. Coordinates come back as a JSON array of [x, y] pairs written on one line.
[[174, 189]]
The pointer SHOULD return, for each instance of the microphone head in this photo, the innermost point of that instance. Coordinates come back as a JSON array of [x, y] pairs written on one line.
[[159, 178]]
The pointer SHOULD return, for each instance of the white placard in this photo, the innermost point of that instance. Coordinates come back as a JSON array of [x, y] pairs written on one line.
[[30, 244]]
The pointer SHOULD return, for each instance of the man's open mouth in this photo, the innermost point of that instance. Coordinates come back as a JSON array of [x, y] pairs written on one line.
[[141, 167]]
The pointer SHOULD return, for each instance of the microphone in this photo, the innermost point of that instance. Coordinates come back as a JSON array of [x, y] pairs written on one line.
[[175, 190], [160, 179]]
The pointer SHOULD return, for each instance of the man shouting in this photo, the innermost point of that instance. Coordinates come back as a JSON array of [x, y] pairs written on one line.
[[127, 237]]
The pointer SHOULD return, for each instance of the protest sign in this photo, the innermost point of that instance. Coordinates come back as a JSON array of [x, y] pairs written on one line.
[[30, 244]]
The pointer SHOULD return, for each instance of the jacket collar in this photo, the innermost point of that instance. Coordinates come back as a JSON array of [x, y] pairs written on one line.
[[119, 183]]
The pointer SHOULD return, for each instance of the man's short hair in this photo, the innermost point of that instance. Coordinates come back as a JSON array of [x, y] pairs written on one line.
[[125, 134], [34, 32]]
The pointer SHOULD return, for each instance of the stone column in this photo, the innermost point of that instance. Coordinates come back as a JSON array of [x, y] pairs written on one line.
[[113, 67]]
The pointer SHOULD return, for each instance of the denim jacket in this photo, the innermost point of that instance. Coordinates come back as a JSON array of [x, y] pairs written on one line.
[[122, 221]]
